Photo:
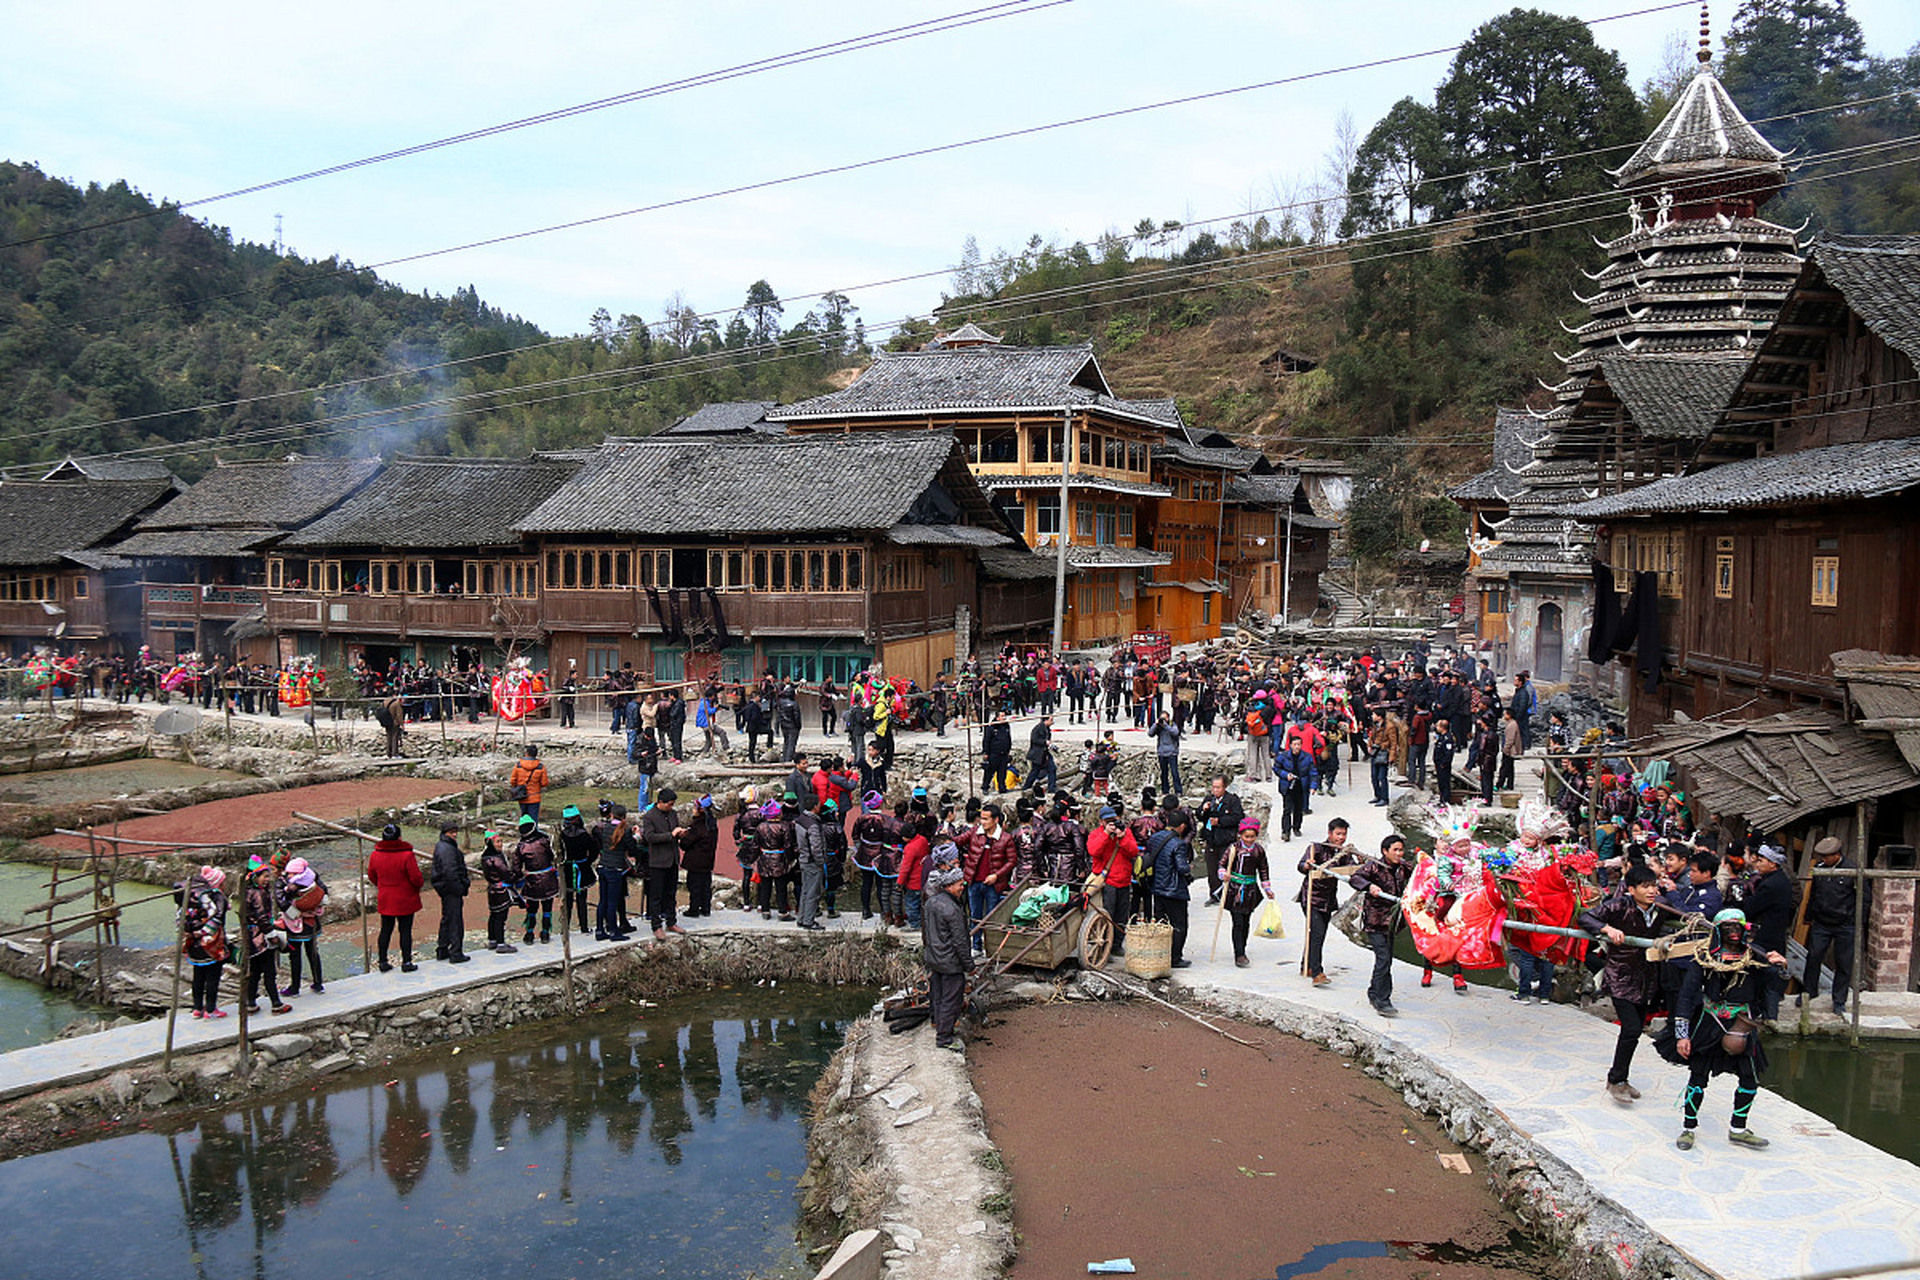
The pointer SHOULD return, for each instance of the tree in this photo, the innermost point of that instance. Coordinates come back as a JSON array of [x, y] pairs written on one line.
[[1792, 55], [966, 276], [836, 310], [1387, 183], [762, 311], [1527, 94]]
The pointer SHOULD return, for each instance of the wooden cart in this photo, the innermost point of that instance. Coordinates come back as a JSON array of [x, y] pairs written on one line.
[[1084, 932]]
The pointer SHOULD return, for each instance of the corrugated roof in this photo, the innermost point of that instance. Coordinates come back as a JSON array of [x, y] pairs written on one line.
[[439, 502], [862, 481], [48, 519], [277, 494], [1836, 473]]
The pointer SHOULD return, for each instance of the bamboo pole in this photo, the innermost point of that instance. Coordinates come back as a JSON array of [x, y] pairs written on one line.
[[53, 892], [1859, 919], [366, 940], [1233, 861], [99, 935], [173, 998], [245, 963]]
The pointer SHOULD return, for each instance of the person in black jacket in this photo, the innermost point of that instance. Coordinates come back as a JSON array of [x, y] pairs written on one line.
[[1384, 882], [1713, 1029], [1632, 981], [451, 881], [673, 723], [580, 850], [1769, 906], [1220, 815], [697, 847], [1831, 923], [946, 950], [1320, 894], [617, 848], [996, 744]]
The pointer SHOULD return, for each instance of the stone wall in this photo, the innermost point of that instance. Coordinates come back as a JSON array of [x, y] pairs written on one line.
[[1889, 940]]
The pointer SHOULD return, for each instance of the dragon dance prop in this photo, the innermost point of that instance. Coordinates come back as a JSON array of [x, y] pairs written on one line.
[[515, 695], [1468, 902]]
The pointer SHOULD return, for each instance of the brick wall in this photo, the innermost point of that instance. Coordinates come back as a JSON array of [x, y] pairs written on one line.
[[1889, 941]]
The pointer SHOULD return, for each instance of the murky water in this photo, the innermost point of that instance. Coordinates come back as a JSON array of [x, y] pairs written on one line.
[[30, 1015], [104, 781], [1872, 1092], [660, 1142]]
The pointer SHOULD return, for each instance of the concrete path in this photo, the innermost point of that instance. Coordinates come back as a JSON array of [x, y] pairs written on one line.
[[82, 1058], [1816, 1199]]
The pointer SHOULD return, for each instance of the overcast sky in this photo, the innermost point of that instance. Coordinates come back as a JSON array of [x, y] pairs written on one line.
[[188, 106]]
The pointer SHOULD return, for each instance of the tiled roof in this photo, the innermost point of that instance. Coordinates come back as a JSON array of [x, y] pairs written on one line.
[[863, 481], [190, 544], [971, 378], [1775, 771], [47, 519], [946, 535], [1108, 557], [727, 418], [1673, 398], [1229, 459], [1511, 429], [1159, 408], [968, 332], [71, 468], [1703, 132], [281, 494], [993, 482], [440, 502], [1018, 564], [1275, 490], [1880, 277], [1837, 473]]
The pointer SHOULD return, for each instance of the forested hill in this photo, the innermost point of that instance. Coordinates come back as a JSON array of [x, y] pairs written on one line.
[[126, 325]]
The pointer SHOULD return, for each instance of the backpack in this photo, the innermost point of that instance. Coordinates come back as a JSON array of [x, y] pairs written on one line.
[[1256, 724]]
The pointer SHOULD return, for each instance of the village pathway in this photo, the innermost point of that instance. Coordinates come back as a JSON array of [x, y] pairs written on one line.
[[1816, 1199]]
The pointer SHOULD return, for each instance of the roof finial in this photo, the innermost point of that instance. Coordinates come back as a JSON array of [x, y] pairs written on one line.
[[1706, 36]]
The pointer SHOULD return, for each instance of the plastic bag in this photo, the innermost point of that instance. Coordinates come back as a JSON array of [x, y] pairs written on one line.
[[1272, 922]]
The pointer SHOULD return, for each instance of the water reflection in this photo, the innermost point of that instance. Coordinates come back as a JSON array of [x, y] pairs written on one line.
[[1872, 1092], [663, 1143]]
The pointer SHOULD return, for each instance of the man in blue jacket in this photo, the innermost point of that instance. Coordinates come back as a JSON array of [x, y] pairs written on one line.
[[1170, 853]]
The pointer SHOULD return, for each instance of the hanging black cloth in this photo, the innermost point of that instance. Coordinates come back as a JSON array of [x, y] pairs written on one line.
[[1635, 630], [675, 631], [659, 612], [723, 640], [1606, 616]]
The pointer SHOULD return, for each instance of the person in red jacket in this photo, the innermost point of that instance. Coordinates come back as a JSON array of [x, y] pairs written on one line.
[[989, 856], [1111, 849], [395, 873], [913, 869]]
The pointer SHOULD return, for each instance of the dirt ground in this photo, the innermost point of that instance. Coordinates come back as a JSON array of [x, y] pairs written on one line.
[[244, 817], [1130, 1131]]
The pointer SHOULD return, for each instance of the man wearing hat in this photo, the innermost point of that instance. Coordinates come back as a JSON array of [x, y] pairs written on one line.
[[660, 832], [946, 951], [1770, 906], [451, 881], [539, 877], [1831, 922]]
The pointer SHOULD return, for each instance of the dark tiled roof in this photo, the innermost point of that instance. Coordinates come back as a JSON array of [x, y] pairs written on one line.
[[189, 544], [728, 418], [1703, 132], [968, 332], [1673, 398], [1160, 409], [1837, 473], [992, 481], [859, 482], [282, 494], [1017, 564], [946, 535], [1511, 429], [1263, 491], [1218, 459], [1115, 557], [440, 502], [970, 378], [1880, 277], [71, 468], [45, 520], [1315, 522]]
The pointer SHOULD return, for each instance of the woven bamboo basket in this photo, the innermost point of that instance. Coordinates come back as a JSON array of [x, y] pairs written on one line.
[[1149, 948]]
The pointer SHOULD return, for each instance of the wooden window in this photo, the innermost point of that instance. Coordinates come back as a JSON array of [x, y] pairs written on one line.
[[817, 569], [1124, 527], [856, 569], [324, 576], [727, 570], [1826, 582], [759, 571], [947, 570], [1107, 597], [1136, 456], [1044, 444], [383, 578], [519, 579], [420, 578], [902, 572], [1089, 448], [1723, 575], [276, 574], [81, 588], [623, 568], [1116, 453], [1046, 517], [601, 660], [1083, 521], [999, 444]]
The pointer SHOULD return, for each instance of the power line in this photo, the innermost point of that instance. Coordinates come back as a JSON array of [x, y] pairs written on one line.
[[262, 437], [1420, 228], [893, 158], [797, 57]]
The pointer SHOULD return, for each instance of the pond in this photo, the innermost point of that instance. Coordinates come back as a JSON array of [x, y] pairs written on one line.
[[637, 1142], [30, 1015], [1872, 1092], [104, 781]]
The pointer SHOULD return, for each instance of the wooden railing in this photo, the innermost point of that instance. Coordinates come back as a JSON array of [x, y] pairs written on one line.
[[746, 613], [191, 601]]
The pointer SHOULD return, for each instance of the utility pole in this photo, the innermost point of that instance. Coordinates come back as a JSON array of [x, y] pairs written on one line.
[[1286, 573], [1060, 537]]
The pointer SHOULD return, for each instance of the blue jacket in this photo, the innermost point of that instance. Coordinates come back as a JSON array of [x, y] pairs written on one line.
[[1294, 768], [1172, 864]]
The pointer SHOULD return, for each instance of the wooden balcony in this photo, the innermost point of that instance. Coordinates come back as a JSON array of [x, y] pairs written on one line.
[[190, 602], [747, 613], [85, 619]]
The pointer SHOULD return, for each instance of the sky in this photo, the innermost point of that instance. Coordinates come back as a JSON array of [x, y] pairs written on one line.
[[187, 101]]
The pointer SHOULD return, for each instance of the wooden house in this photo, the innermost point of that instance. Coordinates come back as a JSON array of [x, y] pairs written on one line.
[[1034, 424], [201, 560], [58, 577], [1688, 292], [1794, 532], [421, 563], [808, 556], [1275, 546]]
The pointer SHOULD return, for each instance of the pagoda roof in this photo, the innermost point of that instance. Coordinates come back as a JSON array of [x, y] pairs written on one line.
[[1702, 133]]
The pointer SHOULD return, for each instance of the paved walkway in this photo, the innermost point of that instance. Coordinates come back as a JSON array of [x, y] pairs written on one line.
[[82, 1058], [1816, 1199]]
